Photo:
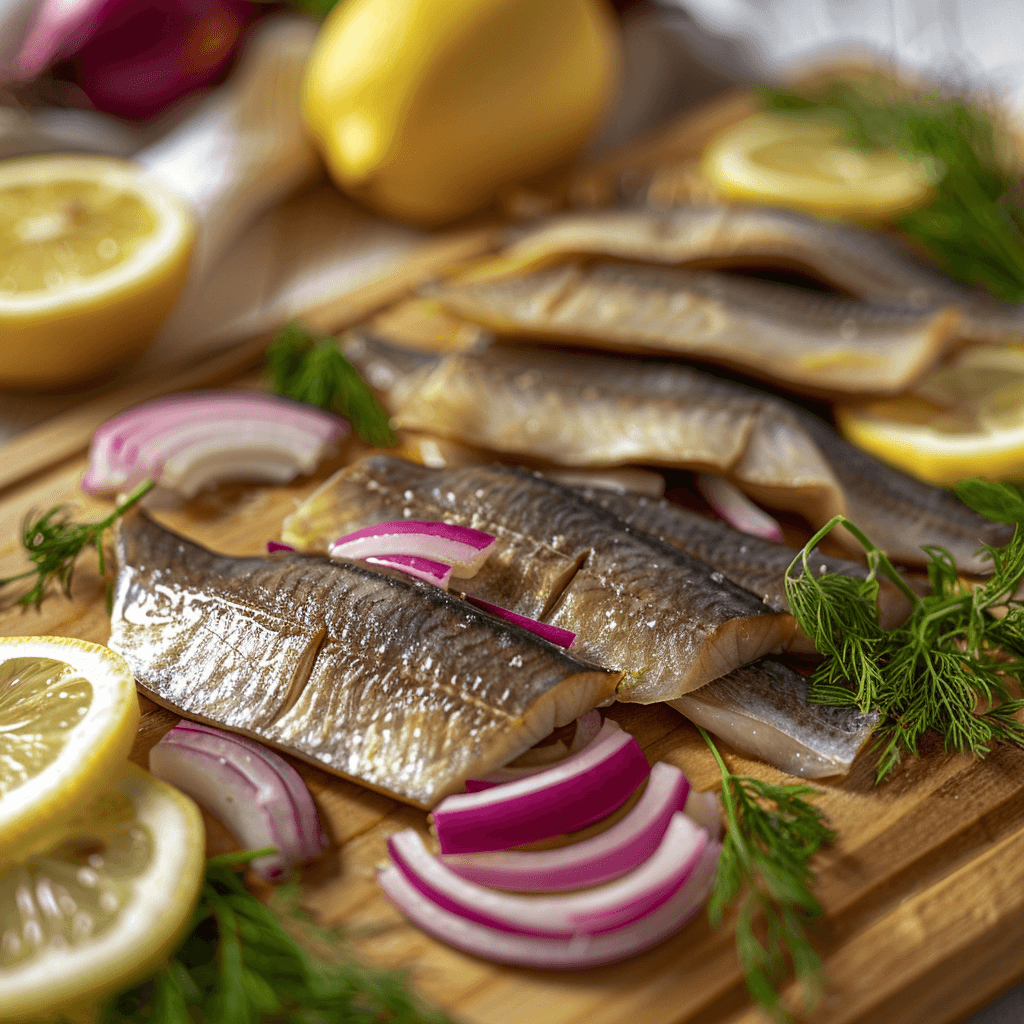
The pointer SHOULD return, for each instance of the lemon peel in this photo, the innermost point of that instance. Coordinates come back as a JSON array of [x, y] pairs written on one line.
[[68, 717], [93, 254]]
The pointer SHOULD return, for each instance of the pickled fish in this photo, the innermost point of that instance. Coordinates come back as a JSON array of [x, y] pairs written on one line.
[[669, 622], [764, 710], [593, 410], [868, 265], [812, 342], [387, 681]]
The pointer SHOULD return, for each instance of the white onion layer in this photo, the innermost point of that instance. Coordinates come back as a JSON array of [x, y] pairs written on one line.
[[736, 508]]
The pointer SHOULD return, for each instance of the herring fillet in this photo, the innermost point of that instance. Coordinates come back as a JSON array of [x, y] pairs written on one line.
[[810, 341], [586, 409], [867, 264], [764, 709], [390, 682], [669, 622]]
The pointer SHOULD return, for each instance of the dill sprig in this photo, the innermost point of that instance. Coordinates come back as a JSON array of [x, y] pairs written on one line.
[[950, 667], [974, 225], [53, 543], [764, 864], [240, 965], [313, 370]]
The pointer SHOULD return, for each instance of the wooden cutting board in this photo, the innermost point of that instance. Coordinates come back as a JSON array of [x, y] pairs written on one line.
[[923, 889]]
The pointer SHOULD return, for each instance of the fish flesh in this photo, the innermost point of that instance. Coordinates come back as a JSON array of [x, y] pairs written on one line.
[[812, 342], [669, 622], [385, 680], [753, 563], [761, 710], [586, 409], [866, 264], [764, 709]]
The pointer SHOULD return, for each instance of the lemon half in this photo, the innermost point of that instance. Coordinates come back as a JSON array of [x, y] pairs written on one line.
[[805, 163], [100, 912], [93, 254], [965, 419], [68, 717]]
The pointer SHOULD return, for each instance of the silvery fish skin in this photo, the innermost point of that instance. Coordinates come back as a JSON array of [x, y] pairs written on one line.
[[387, 681], [583, 409], [669, 622], [812, 342], [866, 264], [763, 709]]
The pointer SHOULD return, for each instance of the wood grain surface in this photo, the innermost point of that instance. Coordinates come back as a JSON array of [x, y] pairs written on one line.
[[923, 889]]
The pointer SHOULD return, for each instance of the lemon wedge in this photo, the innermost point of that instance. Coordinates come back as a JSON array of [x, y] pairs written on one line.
[[964, 419], [93, 254], [97, 913], [68, 716], [805, 163]]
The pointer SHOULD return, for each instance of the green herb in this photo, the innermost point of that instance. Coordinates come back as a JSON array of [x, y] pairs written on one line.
[[53, 543], [950, 666], [974, 227], [764, 864], [241, 965], [313, 370]]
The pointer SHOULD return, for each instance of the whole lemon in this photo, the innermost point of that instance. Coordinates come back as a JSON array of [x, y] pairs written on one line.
[[424, 110]]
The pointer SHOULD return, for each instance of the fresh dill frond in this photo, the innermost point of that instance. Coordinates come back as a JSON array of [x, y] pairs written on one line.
[[53, 543], [950, 668], [313, 370], [974, 225], [771, 833], [239, 964]]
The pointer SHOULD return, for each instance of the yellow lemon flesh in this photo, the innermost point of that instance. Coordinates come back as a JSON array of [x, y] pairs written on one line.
[[805, 163], [965, 419], [93, 254], [97, 913], [68, 717], [425, 110]]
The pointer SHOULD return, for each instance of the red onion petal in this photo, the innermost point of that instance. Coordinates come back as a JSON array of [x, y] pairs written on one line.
[[537, 951], [422, 568], [176, 433], [553, 634], [255, 792], [626, 845], [461, 547], [276, 545], [736, 508], [633, 895], [587, 728], [564, 798]]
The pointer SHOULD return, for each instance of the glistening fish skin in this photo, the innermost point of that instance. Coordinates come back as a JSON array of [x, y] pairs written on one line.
[[866, 264], [668, 621], [811, 342], [597, 410], [763, 709], [391, 682]]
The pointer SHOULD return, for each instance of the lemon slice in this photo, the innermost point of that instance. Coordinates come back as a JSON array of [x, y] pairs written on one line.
[[99, 912], [93, 254], [965, 419], [804, 162], [68, 716]]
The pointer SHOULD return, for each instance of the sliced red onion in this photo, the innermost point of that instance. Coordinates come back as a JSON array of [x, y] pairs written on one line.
[[537, 759], [461, 547], [569, 796], [276, 545], [633, 895], [190, 441], [412, 565], [626, 845], [259, 796], [580, 951], [736, 508], [553, 634]]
